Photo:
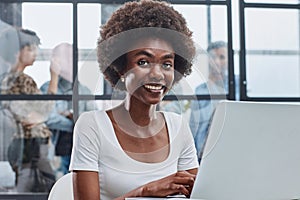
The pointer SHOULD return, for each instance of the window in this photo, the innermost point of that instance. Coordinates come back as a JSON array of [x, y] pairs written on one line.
[[270, 50]]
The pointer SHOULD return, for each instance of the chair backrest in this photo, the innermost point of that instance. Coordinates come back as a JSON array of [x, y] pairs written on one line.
[[62, 189]]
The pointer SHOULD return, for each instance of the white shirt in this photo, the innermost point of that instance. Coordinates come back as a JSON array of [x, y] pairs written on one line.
[[96, 148]]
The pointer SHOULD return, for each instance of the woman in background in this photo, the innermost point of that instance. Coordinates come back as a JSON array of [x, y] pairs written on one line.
[[28, 150]]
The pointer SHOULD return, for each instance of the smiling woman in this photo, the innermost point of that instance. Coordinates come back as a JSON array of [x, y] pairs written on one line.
[[133, 150]]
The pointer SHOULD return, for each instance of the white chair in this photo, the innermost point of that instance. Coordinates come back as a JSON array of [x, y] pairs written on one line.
[[62, 189]]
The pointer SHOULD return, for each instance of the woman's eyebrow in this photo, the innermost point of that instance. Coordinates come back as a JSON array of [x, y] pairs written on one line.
[[148, 54], [169, 55], [144, 53]]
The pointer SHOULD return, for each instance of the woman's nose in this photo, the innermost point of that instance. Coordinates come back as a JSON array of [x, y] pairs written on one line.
[[156, 72]]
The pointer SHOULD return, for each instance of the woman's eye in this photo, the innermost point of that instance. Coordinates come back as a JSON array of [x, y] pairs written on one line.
[[143, 63], [167, 65]]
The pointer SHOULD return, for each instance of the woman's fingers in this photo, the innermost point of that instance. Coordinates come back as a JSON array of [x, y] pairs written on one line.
[[181, 189], [184, 181], [179, 183]]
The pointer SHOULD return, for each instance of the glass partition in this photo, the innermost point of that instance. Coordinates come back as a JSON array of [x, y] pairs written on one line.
[[272, 52]]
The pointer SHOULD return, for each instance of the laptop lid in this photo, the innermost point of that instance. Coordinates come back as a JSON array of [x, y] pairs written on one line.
[[252, 152]]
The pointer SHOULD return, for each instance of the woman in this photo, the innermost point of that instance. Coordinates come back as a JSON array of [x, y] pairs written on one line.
[[133, 150], [27, 153]]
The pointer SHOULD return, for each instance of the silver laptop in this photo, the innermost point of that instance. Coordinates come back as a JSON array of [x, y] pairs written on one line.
[[252, 152]]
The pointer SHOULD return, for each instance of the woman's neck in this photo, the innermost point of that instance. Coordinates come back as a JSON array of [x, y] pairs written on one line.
[[141, 114], [137, 119]]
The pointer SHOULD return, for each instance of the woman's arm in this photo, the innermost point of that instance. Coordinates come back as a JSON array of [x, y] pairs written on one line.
[[86, 185]]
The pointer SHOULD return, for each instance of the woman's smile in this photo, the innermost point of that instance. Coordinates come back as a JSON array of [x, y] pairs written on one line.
[[154, 88]]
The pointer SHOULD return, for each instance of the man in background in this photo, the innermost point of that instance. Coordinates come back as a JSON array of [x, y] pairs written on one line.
[[217, 84]]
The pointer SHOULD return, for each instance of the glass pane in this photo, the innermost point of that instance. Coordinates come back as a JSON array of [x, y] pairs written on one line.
[[196, 17], [51, 28], [54, 31], [90, 78], [273, 1], [273, 76], [90, 18], [219, 23], [88, 33], [272, 29]]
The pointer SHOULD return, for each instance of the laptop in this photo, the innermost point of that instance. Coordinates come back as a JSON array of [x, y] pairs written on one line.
[[252, 152]]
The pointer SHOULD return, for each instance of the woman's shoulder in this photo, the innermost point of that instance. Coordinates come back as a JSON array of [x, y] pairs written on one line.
[[173, 120], [90, 121], [93, 117], [19, 83]]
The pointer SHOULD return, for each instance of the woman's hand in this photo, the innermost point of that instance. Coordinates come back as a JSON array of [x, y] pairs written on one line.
[[179, 183]]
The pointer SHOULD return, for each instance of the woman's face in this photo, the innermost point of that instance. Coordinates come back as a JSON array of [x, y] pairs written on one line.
[[150, 70], [28, 55]]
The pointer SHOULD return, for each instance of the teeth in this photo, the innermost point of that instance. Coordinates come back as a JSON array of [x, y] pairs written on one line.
[[152, 87]]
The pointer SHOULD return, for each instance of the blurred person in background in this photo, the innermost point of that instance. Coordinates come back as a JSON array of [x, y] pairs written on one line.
[[28, 149], [202, 111], [9, 48], [61, 121]]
